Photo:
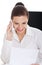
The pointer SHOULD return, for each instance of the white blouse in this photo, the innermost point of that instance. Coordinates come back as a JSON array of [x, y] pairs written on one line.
[[31, 40]]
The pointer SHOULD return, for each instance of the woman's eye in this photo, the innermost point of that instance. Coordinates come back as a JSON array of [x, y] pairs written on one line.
[[24, 23], [16, 23]]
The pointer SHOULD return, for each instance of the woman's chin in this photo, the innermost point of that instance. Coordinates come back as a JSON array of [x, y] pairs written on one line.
[[20, 32]]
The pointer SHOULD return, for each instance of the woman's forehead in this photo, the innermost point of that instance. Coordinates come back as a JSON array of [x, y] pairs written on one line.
[[20, 18]]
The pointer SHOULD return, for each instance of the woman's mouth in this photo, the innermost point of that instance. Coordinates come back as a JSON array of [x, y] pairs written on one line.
[[20, 30]]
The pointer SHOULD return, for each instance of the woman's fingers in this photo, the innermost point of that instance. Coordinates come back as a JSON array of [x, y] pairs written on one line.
[[9, 32], [9, 27]]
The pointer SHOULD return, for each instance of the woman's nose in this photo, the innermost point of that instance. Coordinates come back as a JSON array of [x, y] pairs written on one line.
[[20, 25]]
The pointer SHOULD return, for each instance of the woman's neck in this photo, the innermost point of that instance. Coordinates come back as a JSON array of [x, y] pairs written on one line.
[[21, 35]]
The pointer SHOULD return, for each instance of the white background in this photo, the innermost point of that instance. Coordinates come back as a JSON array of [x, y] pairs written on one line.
[[5, 13]]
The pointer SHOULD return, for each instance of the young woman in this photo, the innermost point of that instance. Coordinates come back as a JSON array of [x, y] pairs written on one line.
[[20, 34]]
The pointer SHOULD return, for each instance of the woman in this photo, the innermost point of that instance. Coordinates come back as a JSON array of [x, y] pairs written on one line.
[[20, 34]]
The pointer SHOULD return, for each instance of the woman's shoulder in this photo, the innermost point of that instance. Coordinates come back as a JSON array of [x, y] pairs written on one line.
[[34, 31]]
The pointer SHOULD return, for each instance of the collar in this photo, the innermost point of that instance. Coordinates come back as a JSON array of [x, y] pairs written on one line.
[[15, 36], [29, 31]]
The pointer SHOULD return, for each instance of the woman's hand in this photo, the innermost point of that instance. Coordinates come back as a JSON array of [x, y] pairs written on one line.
[[9, 32], [34, 64]]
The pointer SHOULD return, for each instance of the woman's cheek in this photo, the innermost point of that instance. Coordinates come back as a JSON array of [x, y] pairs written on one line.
[[25, 26], [15, 26]]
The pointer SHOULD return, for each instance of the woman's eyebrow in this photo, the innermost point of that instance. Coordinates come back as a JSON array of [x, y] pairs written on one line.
[[15, 21], [24, 22]]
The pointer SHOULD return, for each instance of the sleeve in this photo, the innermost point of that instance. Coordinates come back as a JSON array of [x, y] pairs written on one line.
[[39, 44], [6, 49]]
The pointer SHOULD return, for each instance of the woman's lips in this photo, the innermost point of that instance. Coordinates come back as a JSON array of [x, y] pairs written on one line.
[[20, 30]]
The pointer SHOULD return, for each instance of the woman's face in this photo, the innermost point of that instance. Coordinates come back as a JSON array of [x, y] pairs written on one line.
[[20, 23]]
